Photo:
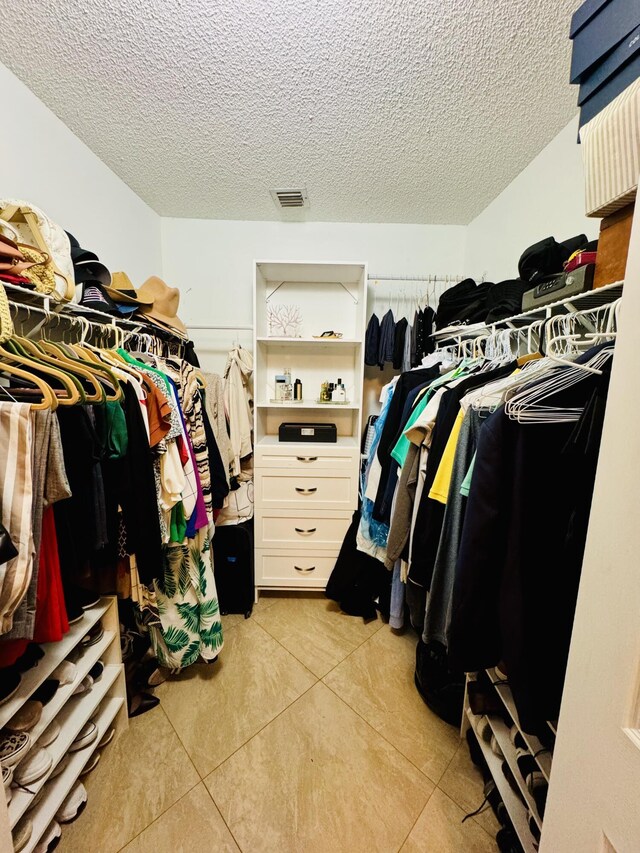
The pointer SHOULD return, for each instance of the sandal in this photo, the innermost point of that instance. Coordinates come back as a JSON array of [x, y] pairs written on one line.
[[331, 335]]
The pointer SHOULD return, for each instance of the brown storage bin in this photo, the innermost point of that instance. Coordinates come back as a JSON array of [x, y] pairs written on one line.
[[613, 247]]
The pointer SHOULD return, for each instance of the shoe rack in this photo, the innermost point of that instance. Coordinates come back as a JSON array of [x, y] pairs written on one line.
[[521, 806], [105, 703]]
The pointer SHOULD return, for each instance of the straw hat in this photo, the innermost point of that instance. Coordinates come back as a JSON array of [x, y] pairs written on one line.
[[121, 290], [164, 308]]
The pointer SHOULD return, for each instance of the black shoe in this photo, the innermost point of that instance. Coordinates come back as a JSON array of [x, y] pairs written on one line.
[[46, 691], [86, 598], [9, 683], [29, 658], [96, 670], [508, 841], [141, 703]]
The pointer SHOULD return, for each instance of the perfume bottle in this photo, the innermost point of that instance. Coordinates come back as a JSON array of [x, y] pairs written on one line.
[[297, 391], [339, 394], [287, 389]]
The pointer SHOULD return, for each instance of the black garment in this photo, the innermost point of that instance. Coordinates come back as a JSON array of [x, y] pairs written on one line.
[[416, 327], [359, 583], [430, 515], [76, 516], [138, 497], [521, 552], [424, 343], [427, 343], [219, 485], [466, 302], [372, 341], [505, 299], [387, 339], [190, 354], [398, 345], [406, 383]]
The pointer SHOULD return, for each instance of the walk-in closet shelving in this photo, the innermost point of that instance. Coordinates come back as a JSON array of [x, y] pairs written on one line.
[[514, 805], [305, 492], [104, 703], [586, 301], [541, 754]]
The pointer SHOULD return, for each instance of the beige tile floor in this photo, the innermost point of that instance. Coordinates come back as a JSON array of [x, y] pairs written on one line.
[[306, 735]]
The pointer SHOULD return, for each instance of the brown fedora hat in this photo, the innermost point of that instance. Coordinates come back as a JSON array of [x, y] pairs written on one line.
[[122, 290], [164, 308]]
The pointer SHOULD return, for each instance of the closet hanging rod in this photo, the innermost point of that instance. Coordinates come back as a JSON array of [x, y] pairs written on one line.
[[222, 328], [425, 279]]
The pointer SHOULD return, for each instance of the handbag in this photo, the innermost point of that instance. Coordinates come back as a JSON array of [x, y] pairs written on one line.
[[7, 549], [37, 231], [11, 258], [39, 271]]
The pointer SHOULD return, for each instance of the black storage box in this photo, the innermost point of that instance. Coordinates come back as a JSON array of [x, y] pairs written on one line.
[[308, 432]]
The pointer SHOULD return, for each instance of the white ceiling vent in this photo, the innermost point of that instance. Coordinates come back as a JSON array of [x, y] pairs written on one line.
[[290, 199]]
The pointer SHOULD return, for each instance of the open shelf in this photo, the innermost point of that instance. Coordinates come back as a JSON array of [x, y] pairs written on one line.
[[514, 805], [46, 810], [348, 441], [308, 404], [71, 718], [326, 342], [55, 653], [64, 693], [586, 301], [502, 733], [542, 755]]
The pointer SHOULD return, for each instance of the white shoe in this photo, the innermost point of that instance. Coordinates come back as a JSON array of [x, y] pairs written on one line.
[[73, 805]]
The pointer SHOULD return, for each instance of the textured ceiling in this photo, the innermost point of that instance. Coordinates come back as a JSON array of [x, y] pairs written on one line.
[[386, 110]]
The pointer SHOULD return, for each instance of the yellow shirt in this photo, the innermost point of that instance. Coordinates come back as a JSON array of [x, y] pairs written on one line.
[[440, 487]]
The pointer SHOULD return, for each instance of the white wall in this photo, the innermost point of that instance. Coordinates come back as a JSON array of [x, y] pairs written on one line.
[[211, 261], [42, 161], [546, 199]]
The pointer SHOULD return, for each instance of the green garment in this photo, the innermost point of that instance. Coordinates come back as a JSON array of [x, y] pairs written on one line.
[[399, 452], [141, 365], [465, 488], [178, 526]]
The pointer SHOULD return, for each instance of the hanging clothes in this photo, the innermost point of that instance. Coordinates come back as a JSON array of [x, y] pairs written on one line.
[[508, 578], [372, 341], [386, 339], [238, 398]]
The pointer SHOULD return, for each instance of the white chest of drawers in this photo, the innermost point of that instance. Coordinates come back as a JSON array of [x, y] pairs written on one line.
[[304, 500]]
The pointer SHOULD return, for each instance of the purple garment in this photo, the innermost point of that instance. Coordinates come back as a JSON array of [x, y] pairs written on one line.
[[198, 518]]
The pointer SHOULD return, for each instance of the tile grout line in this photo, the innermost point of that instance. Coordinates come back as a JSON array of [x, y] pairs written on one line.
[[384, 738], [144, 829], [216, 807], [182, 744], [261, 729], [368, 723], [180, 797], [321, 677], [413, 826], [282, 646]]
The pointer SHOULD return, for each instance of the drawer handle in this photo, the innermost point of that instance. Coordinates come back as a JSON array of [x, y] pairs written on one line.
[[310, 569], [305, 532], [302, 491], [307, 458]]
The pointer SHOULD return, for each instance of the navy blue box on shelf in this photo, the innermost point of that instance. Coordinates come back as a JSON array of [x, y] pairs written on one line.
[[604, 25], [611, 65], [584, 13], [611, 89]]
